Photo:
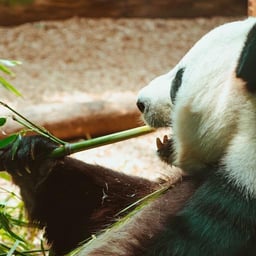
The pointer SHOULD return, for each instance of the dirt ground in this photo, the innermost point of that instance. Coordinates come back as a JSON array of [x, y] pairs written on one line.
[[81, 59]]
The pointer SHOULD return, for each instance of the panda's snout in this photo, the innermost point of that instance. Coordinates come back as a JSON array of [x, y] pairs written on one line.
[[141, 105]]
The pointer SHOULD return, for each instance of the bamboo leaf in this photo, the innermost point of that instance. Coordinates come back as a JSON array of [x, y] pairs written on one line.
[[5, 224], [3, 249], [15, 145], [8, 140], [2, 121], [6, 70], [9, 87], [5, 176], [42, 248]]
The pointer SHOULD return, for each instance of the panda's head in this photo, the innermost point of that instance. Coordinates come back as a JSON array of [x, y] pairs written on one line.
[[203, 95]]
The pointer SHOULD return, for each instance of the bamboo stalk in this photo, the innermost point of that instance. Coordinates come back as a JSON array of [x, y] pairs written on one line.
[[71, 148]]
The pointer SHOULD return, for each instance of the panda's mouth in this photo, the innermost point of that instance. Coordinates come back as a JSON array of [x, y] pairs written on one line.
[[156, 121], [156, 116]]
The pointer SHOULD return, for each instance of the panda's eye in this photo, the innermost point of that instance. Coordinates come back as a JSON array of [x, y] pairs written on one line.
[[176, 83]]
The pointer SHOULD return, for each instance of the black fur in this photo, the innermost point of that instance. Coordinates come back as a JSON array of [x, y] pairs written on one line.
[[166, 151], [218, 221], [134, 235], [176, 83], [70, 199], [247, 61]]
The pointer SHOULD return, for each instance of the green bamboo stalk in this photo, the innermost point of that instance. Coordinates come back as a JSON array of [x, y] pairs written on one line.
[[70, 148]]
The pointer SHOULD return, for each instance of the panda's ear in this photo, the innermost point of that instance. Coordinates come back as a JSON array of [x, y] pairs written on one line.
[[246, 68]]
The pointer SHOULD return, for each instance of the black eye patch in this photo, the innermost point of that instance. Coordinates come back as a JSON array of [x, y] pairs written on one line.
[[176, 83]]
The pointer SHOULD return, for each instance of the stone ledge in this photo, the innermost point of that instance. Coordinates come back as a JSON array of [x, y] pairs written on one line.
[[79, 120]]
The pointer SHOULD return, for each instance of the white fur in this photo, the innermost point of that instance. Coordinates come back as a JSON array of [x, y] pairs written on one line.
[[213, 115], [156, 98]]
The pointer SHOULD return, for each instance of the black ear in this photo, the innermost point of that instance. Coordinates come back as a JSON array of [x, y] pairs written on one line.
[[246, 68], [176, 83]]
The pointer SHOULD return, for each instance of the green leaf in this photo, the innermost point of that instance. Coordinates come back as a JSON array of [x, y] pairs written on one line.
[[9, 87], [6, 70], [6, 225], [2, 121], [42, 248], [15, 145], [13, 249], [7, 141], [6, 176]]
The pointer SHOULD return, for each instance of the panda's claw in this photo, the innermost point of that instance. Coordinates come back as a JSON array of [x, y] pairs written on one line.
[[165, 139], [165, 149], [159, 143]]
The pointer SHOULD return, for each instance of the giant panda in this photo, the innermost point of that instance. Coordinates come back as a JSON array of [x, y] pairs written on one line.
[[208, 100]]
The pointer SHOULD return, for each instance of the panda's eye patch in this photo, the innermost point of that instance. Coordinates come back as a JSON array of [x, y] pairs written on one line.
[[176, 83]]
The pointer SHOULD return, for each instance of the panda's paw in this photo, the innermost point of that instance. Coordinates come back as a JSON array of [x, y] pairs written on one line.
[[165, 149], [30, 151]]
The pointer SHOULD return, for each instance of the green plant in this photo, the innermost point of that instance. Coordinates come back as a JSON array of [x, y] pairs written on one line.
[[17, 236], [5, 68]]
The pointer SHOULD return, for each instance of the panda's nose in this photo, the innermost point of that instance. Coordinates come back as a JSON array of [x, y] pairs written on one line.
[[141, 105]]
